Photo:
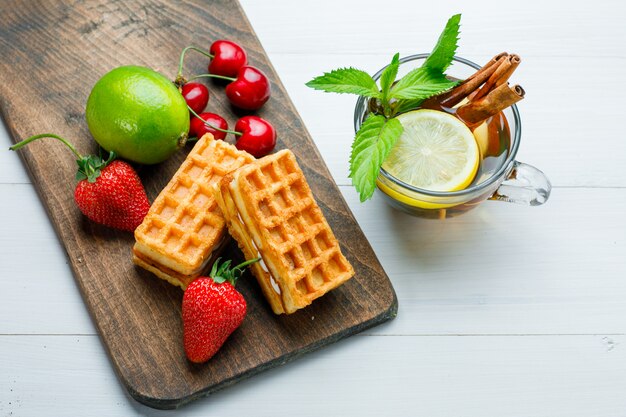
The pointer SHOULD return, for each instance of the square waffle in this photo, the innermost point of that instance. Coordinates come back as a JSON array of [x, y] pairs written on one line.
[[184, 228], [271, 212]]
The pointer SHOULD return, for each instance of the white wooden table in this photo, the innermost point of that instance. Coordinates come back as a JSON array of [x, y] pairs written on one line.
[[506, 311]]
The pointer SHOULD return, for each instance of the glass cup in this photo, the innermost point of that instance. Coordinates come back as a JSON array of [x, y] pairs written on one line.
[[513, 181]]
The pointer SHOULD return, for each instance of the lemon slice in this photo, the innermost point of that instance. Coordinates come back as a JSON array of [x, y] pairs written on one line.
[[436, 152]]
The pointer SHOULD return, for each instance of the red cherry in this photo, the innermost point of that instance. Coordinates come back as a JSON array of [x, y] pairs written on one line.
[[228, 57], [196, 95], [198, 128], [250, 90], [258, 136]]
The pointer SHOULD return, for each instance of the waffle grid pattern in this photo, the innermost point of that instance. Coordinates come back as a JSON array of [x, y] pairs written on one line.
[[295, 227], [184, 222]]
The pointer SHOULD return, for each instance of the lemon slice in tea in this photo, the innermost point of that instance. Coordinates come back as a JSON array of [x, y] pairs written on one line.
[[436, 152]]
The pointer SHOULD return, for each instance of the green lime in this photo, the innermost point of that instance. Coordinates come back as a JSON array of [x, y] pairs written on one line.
[[138, 114]]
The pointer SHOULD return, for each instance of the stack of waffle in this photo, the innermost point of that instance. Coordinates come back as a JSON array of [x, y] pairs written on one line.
[[271, 212], [268, 208], [184, 229]]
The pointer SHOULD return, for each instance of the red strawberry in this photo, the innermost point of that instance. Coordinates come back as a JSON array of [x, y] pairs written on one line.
[[212, 310], [108, 192], [116, 198]]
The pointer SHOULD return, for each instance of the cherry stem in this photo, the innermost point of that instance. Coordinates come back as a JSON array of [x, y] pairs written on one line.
[[234, 132], [221, 77], [46, 135], [182, 58]]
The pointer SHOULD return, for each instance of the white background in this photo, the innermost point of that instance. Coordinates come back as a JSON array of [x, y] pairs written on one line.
[[506, 311]]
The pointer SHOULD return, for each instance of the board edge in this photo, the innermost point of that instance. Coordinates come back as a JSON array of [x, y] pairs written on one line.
[[389, 313]]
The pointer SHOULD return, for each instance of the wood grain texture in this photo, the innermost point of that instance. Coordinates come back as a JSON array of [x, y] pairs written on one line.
[[52, 54], [452, 279], [471, 275]]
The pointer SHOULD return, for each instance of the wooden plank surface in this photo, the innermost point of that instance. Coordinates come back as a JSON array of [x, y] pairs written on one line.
[[547, 354], [137, 315], [553, 138], [480, 266]]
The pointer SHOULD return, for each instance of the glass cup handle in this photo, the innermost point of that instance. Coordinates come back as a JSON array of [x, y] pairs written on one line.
[[525, 184]]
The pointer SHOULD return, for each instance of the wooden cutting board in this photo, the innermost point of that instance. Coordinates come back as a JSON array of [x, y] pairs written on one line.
[[52, 53]]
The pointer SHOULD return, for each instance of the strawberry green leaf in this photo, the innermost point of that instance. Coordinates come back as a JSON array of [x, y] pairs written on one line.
[[420, 83], [223, 272], [346, 81], [442, 54], [371, 146], [389, 76], [90, 166], [80, 175]]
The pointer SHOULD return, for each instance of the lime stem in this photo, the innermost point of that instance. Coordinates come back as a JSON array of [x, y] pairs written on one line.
[[182, 57], [234, 132], [221, 77], [46, 135]]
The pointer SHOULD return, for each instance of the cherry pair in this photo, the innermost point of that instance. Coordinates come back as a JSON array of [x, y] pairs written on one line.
[[249, 88], [255, 135], [249, 91]]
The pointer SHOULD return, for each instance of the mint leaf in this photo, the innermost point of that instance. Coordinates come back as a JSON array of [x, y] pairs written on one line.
[[421, 83], [441, 56], [346, 81], [372, 144], [389, 76], [428, 80], [403, 106]]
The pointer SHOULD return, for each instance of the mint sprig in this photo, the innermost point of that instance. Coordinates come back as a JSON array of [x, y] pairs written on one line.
[[437, 62], [346, 81], [370, 148], [386, 81], [379, 132], [441, 56], [421, 83]]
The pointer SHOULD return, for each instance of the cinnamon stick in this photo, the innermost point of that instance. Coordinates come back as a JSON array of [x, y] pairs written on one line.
[[461, 91], [499, 77], [497, 58], [515, 61], [493, 103]]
